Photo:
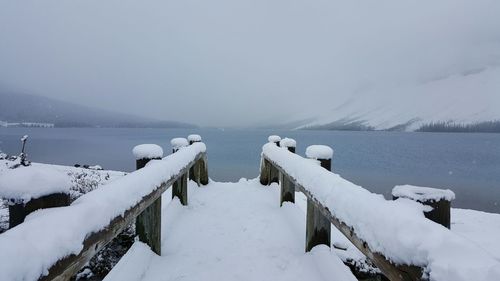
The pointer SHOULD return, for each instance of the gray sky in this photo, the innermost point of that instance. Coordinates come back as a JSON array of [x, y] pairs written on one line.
[[233, 62]]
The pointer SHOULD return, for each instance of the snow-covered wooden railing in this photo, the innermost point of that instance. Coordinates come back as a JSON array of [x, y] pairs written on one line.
[[394, 235], [55, 244]]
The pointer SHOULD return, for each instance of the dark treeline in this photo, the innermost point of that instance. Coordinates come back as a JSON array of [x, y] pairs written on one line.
[[125, 124], [480, 127]]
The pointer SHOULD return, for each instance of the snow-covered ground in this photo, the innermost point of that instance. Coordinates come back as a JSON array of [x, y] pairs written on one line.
[[482, 229], [237, 231], [231, 231]]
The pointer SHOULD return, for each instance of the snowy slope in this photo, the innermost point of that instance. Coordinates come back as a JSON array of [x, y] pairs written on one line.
[[468, 97]]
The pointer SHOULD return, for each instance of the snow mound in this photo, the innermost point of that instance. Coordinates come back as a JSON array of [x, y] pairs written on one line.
[[31, 182], [194, 138], [419, 193], [319, 152], [179, 142], [274, 138], [287, 142], [147, 151]]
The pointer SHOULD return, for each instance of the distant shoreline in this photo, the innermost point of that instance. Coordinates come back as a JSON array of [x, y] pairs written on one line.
[[435, 127]]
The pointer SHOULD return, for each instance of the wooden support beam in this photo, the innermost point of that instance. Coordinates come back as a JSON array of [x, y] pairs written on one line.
[[274, 175], [193, 171], [394, 272], [148, 223], [287, 193], [179, 190], [265, 172], [438, 199], [203, 168], [318, 226], [67, 267], [18, 210]]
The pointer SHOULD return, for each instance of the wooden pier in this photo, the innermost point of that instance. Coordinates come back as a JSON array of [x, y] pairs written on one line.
[[189, 162]]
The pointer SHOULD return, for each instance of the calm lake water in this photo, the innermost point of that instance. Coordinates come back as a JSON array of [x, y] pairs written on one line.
[[469, 164]]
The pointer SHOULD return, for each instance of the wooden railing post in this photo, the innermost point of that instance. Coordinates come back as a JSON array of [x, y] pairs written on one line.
[[179, 188], [438, 199], [203, 170], [265, 171], [194, 170], [287, 193], [274, 175], [19, 210], [318, 227], [148, 223]]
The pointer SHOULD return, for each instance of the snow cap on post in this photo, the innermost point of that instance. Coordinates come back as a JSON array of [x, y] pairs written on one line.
[[421, 194], [319, 152], [439, 201], [178, 143], [194, 138], [26, 183], [147, 151], [322, 153], [288, 143], [275, 139]]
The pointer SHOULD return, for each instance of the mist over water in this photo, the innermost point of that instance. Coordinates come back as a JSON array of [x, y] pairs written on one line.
[[469, 164]]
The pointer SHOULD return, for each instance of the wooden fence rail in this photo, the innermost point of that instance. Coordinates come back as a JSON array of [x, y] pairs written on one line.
[[394, 272], [67, 267]]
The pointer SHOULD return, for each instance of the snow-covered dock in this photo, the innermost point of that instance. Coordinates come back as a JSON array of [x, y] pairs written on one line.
[[249, 230], [231, 231]]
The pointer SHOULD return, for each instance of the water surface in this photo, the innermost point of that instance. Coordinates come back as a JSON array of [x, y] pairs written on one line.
[[469, 164]]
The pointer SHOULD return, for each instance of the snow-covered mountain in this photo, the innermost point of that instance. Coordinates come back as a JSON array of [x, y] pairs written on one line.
[[468, 97]]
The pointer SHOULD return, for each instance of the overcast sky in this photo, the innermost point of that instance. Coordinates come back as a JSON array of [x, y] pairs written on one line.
[[234, 62]]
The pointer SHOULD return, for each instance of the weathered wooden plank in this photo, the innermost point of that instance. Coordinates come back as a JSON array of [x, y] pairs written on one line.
[[265, 172], [274, 174], [179, 190], [287, 193], [67, 267], [394, 272], [148, 223], [203, 166], [148, 226], [193, 171], [19, 211], [439, 200], [318, 226]]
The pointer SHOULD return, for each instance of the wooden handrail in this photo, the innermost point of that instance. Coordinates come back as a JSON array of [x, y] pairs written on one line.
[[67, 267], [395, 272]]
